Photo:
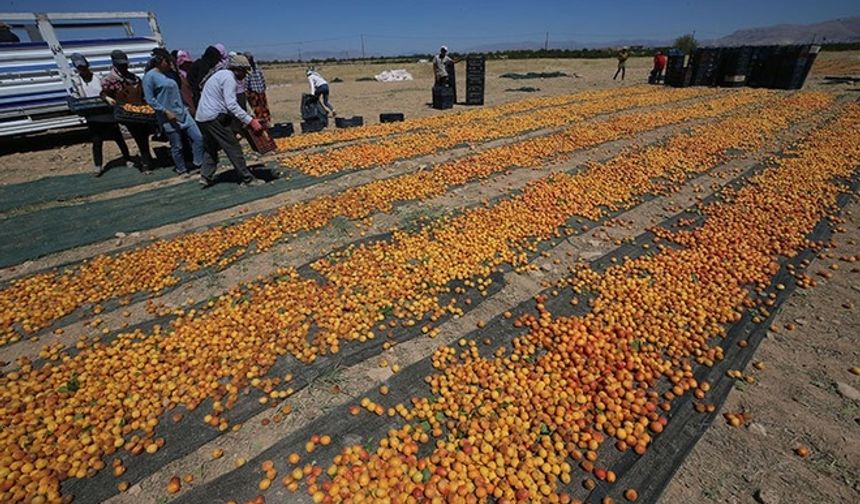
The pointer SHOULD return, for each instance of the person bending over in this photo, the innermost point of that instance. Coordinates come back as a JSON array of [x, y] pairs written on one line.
[[215, 113]]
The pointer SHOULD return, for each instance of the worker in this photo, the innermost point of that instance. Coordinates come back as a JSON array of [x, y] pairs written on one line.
[[660, 61], [122, 86], [215, 113], [101, 126], [256, 91], [6, 34], [163, 95], [200, 69], [622, 56], [440, 66], [241, 88], [319, 88], [183, 64]]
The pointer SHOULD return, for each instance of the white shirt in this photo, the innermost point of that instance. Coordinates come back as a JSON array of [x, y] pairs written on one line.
[[219, 97], [89, 89], [316, 81]]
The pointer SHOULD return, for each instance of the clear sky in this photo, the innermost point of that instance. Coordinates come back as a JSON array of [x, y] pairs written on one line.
[[283, 28]]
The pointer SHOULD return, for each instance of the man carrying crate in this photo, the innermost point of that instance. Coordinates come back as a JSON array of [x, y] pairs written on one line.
[[215, 113]]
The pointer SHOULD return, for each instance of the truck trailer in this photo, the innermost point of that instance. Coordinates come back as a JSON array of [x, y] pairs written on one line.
[[36, 73]]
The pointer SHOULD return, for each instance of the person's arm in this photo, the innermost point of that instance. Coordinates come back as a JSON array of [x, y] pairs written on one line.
[[109, 90], [150, 93], [311, 81], [228, 90]]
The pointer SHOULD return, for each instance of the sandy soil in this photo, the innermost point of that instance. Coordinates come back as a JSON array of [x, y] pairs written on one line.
[[801, 398]]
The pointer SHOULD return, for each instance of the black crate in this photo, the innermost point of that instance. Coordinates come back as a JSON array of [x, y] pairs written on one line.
[[452, 79], [125, 116], [762, 66], [352, 122], [312, 125], [89, 106], [390, 117], [443, 97], [677, 74], [705, 65], [282, 130]]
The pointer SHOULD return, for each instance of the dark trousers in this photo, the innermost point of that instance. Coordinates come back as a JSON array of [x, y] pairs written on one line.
[[101, 131], [217, 136], [322, 91], [140, 133]]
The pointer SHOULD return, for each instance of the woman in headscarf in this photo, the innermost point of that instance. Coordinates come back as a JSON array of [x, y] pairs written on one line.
[[183, 63], [122, 86], [255, 85], [200, 69]]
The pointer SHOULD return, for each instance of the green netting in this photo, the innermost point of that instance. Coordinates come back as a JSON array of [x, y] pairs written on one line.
[[32, 235], [69, 187]]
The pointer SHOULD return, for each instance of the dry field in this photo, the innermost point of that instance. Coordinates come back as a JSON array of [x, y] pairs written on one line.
[[599, 292]]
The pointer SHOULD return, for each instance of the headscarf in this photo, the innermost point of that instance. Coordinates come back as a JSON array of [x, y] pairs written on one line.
[[200, 69], [221, 50], [182, 57]]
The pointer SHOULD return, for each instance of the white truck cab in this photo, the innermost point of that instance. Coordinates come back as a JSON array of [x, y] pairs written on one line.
[[36, 76]]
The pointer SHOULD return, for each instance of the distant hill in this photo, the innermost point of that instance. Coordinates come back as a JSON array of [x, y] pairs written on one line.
[[835, 30], [565, 44]]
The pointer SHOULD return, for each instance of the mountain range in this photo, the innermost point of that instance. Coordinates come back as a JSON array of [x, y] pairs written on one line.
[[835, 30]]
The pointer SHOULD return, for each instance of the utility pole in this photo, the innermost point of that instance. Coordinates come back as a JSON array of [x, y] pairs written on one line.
[[546, 42], [362, 47]]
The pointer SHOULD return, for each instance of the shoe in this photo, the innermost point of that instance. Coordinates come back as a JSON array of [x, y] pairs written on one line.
[[194, 169], [254, 182], [130, 164], [205, 182], [100, 170]]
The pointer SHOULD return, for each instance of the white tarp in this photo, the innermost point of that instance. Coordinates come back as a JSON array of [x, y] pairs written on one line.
[[393, 76]]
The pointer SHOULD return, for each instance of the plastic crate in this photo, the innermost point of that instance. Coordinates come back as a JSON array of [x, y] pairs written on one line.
[[125, 116], [389, 117], [282, 130], [352, 122], [313, 125], [89, 106], [262, 142], [443, 97]]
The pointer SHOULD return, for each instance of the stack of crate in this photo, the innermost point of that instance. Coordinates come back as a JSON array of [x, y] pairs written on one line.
[[706, 65], [475, 72], [677, 73], [735, 66]]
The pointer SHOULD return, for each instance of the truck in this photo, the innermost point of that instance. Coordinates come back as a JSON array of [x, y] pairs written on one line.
[[36, 75]]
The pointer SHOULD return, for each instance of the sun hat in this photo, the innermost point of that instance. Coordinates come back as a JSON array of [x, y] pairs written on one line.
[[239, 61]]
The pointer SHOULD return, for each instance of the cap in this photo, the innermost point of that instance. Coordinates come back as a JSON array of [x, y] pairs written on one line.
[[161, 52], [238, 61], [79, 61], [443, 49], [118, 57]]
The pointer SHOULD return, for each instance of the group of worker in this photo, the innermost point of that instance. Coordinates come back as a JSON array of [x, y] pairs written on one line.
[[200, 105], [660, 61]]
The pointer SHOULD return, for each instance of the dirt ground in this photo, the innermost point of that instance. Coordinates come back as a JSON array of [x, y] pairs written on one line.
[[68, 152], [799, 398], [805, 396]]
